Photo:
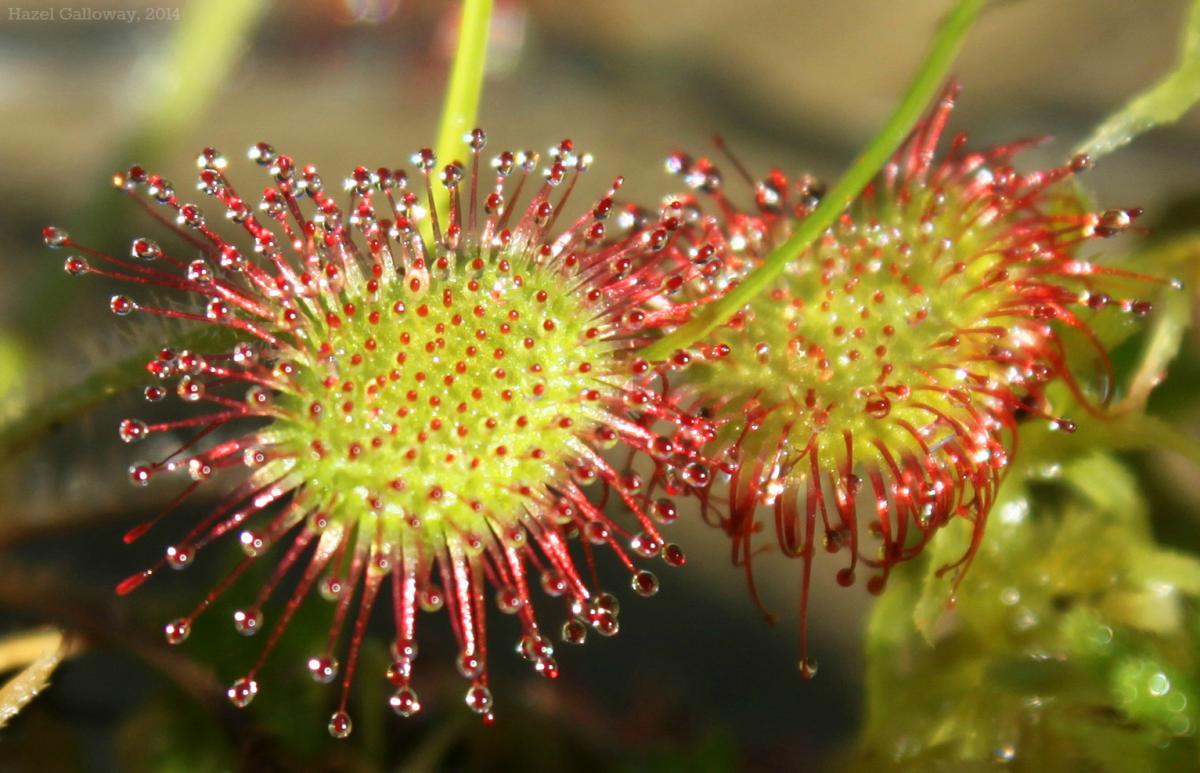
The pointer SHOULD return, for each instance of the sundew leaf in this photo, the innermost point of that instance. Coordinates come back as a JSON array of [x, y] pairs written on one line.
[[1162, 103], [929, 78]]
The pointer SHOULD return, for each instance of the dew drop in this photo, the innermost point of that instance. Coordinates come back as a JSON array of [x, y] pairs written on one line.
[[198, 469], [210, 158], [808, 668], [470, 665], [75, 265], [145, 249], [696, 475], [452, 175], [241, 692], [340, 725], [605, 622], [247, 622], [431, 599], [330, 588], [597, 532], [479, 699], [574, 632], [179, 557], [54, 237], [177, 631], [1004, 753], [1159, 685], [664, 511], [534, 647], [646, 545], [553, 584], [547, 667], [133, 430], [661, 448], [645, 583], [405, 702], [121, 305], [199, 272], [1112, 222], [217, 310], [424, 159], [253, 545], [243, 353], [139, 473], [189, 215], [323, 669], [878, 408], [673, 554], [508, 600], [607, 601], [404, 650], [261, 153], [162, 190], [190, 389]]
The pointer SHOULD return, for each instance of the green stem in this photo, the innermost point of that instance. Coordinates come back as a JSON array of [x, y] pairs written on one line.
[[929, 78], [103, 384], [462, 95]]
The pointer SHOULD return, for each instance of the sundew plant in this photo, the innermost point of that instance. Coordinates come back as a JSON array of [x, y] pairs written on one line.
[[387, 432]]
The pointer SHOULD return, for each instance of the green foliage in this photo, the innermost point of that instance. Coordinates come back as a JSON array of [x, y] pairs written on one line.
[[1072, 643], [1162, 103]]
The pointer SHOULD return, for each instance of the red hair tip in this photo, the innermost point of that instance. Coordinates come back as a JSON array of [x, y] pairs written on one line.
[[131, 583]]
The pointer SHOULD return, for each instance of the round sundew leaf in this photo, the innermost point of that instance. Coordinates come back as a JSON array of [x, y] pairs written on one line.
[[407, 419]]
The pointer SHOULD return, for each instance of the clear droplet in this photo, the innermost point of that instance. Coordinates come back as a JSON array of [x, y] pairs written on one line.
[[646, 545], [54, 237], [145, 249], [574, 632], [479, 699], [132, 430], [122, 305], [696, 474], [470, 665], [323, 669], [241, 692], [140, 473], [177, 631], [405, 702], [645, 583], [808, 668], [673, 554], [253, 544], [340, 725], [664, 511], [179, 557], [1004, 753], [247, 622]]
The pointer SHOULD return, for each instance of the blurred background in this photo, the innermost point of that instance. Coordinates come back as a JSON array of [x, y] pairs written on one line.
[[696, 679]]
